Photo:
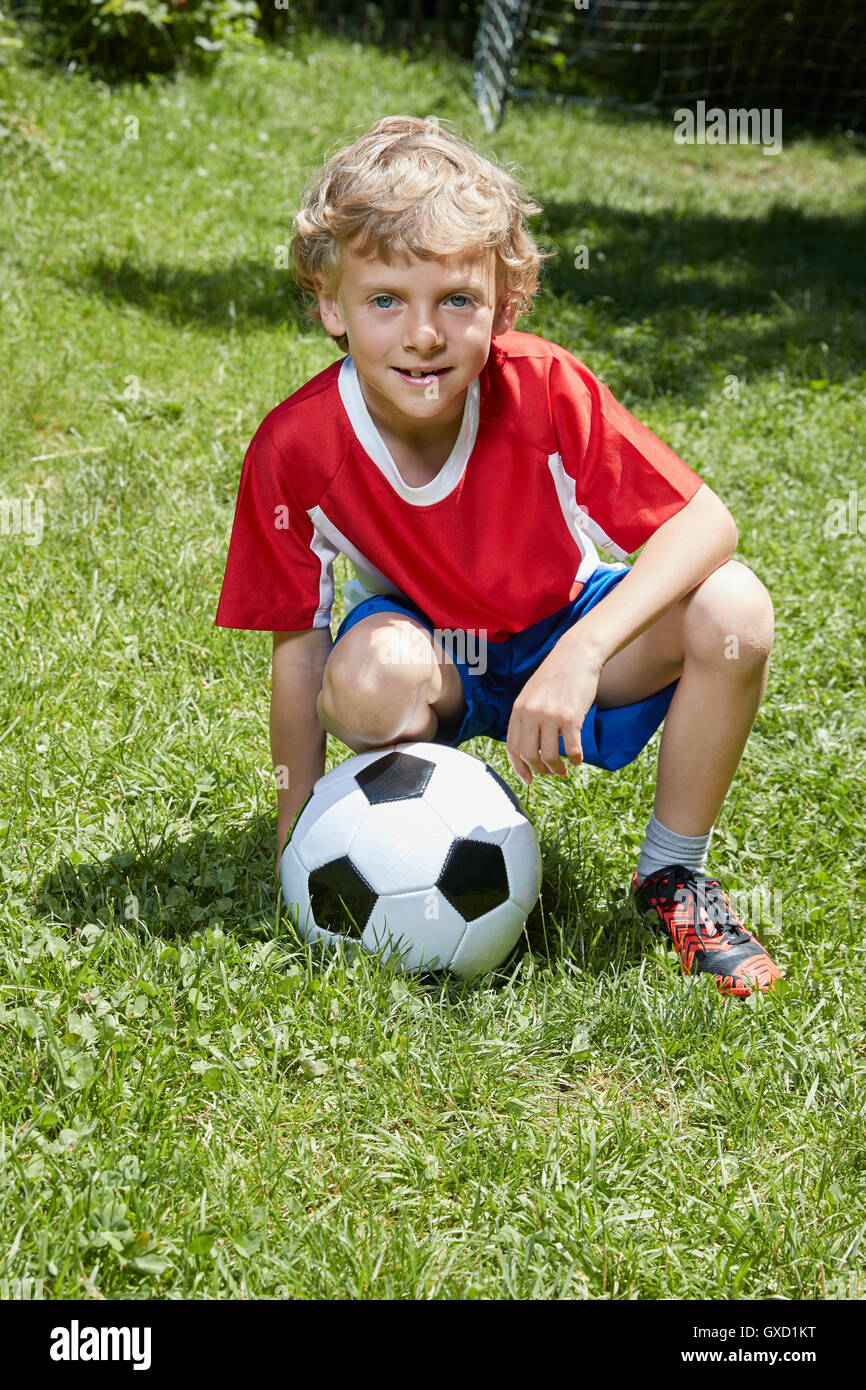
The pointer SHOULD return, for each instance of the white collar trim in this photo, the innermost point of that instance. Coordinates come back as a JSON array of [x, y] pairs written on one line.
[[374, 445]]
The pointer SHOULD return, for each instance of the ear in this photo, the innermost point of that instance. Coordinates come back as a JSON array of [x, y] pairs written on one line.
[[505, 316], [332, 319]]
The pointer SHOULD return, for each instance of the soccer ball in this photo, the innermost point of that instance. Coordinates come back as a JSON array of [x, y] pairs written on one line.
[[419, 852]]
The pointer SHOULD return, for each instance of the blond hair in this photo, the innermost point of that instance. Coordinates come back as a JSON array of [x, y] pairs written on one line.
[[408, 186]]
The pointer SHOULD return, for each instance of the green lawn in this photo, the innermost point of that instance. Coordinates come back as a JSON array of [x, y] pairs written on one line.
[[587, 1123]]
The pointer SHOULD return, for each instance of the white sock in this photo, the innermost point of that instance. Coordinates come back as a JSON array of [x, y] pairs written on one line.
[[663, 847]]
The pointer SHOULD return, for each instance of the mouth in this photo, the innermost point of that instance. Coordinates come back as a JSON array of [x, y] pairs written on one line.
[[420, 375]]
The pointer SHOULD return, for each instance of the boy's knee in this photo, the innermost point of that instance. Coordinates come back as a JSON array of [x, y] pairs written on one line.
[[366, 685], [354, 717], [731, 616], [347, 689]]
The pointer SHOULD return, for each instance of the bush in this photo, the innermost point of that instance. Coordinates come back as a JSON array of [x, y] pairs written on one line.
[[117, 39]]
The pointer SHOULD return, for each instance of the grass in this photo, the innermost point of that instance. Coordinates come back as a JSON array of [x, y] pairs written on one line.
[[194, 1105]]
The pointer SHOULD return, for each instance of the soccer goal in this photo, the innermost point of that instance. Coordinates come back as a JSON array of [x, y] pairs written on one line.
[[806, 59]]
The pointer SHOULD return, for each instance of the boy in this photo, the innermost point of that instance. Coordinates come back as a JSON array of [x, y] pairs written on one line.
[[469, 472]]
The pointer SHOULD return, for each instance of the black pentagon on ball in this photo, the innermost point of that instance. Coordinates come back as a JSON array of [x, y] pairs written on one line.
[[341, 898], [394, 777], [474, 878], [516, 803]]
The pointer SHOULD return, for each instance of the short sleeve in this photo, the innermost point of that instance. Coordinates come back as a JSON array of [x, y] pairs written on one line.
[[627, 482], [279, 571]]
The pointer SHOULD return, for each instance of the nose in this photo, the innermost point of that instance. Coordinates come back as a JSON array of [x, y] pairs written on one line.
[[424, 335]]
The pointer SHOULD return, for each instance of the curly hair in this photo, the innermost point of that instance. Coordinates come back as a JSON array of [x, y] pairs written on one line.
[[407, 186]]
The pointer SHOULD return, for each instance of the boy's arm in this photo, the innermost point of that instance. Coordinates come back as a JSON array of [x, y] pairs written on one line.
[[681, 554], [297, 738]]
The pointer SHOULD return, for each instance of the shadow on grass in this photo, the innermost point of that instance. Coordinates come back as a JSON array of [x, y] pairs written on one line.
[[172, 888], [583, 915], [680, 299], [683, 299], [246, 294]]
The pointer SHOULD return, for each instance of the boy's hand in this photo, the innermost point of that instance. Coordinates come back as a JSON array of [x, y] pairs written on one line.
[[554, 701]]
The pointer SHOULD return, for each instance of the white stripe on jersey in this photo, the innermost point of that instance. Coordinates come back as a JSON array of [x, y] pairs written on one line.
[[325, 554], [370, 580], [580, 523]]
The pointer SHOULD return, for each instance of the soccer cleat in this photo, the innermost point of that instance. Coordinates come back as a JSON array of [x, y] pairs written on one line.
[[698, 921]]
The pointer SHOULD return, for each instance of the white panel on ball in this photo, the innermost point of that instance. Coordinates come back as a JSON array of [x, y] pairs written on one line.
[[488, 941], [523, 862], [431, 927], [326, 793], [475, 808], [400, 846], [335, 816], [294, 878]]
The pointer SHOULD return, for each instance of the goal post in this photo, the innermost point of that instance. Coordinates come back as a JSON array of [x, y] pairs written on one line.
[[498, 45]]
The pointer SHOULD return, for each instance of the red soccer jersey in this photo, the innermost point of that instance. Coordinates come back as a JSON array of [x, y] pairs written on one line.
[[547, 466]]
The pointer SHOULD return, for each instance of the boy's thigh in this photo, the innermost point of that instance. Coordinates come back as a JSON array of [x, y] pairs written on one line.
[[647, 664], [730, 598], [385, 647]]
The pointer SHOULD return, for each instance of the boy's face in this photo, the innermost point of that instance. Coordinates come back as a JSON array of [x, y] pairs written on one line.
[[434, 316]]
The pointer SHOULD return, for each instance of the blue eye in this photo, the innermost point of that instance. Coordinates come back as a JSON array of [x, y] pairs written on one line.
[[452, 297]]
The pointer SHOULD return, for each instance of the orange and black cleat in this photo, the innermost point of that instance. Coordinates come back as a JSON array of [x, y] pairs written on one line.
[[695, 916]]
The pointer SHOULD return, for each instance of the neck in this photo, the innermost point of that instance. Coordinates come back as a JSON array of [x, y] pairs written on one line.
[[421, 435]]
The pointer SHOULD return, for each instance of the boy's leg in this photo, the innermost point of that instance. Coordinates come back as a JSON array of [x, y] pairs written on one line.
[[717, 640], [387, 681]]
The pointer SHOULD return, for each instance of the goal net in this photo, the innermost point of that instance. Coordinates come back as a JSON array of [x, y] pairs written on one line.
[[653, 55]]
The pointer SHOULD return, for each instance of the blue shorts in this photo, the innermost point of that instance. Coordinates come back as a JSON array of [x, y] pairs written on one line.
[[610, 738]]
